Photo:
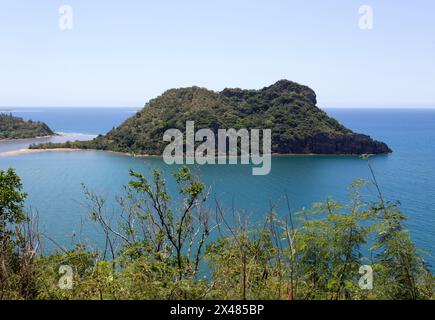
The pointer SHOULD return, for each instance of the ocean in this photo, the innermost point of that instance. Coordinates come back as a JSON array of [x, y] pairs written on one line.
[[54, 180]]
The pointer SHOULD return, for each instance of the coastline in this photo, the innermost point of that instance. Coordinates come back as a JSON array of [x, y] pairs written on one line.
[[30, 151], [23, 139]]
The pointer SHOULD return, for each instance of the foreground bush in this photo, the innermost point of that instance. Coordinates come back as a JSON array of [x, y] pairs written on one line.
[[172, 247]]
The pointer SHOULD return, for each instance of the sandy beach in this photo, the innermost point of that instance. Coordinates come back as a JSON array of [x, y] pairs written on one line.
[[28, 151]]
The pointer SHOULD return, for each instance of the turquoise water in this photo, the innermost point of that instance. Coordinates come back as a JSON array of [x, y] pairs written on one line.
[[53, 180]]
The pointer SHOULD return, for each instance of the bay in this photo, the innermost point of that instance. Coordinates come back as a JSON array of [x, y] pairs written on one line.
[[53, 180]]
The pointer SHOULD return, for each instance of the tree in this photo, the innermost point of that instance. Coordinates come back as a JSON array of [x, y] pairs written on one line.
[[11, 200], [156, 226], [16, 244]]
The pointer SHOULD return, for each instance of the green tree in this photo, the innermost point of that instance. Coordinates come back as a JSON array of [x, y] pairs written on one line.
[[16, 251]]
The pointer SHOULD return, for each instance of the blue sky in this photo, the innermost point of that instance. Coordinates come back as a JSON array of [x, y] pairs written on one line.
[[123, 53]]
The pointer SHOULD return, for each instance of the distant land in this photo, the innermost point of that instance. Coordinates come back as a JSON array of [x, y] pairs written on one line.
[[287, 108], [12, 128]]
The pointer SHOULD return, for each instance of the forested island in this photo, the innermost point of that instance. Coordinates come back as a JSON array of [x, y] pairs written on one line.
[[287, 108], [17, 128]]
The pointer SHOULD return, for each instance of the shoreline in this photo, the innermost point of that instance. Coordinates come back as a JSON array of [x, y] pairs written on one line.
[[30, 151], [56, 134], [41, 137]]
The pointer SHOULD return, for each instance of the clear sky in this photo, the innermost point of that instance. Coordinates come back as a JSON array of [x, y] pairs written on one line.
[[123, 53]]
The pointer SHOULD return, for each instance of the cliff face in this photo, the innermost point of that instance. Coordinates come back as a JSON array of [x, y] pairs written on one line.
[[325, 143], [287, 108]]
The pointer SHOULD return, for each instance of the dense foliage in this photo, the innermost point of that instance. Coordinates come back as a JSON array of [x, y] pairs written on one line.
[[171, 246], [287, 108], [17, 252], [16, 128]]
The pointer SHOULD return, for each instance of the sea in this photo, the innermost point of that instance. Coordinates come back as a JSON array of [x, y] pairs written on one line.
[[54, 181]]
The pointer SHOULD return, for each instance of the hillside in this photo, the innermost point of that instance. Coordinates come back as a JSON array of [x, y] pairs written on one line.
[[16, 128], [287, 108]]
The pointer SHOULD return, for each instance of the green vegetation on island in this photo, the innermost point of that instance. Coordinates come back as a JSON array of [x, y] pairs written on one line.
[[164, 248], [16, 128], [287, 108]]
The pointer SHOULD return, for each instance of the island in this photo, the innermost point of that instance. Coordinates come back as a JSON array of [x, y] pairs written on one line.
[[287, 108], [12, 128]]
